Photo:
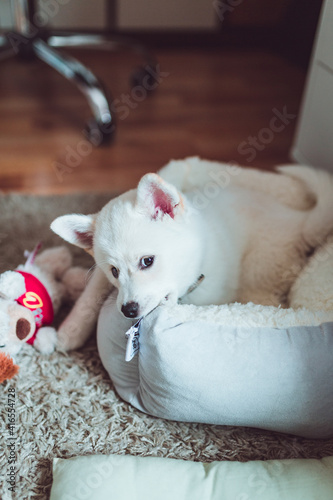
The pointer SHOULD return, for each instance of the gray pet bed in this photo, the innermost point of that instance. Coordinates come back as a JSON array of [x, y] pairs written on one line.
[[247, 365]]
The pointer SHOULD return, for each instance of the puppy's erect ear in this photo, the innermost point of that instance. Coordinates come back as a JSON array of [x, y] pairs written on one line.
[[77, 229], [158, 197]]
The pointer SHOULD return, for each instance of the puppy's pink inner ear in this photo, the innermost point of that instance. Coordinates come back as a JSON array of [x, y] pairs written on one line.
[[85, 238], [163, 202]]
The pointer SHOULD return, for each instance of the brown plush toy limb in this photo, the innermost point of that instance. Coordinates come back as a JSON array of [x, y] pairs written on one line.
[[74, 280], [7, 367]]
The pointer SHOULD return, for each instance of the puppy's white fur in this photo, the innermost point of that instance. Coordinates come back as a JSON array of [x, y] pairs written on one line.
[[247, 238]]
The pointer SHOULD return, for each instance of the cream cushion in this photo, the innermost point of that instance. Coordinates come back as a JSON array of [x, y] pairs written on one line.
[[105, 477]]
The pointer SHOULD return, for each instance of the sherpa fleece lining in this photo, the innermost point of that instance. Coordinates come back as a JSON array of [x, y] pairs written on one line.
[[250, 315]]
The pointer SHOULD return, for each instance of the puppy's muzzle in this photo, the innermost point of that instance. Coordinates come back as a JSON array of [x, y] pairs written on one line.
[[130, 310]]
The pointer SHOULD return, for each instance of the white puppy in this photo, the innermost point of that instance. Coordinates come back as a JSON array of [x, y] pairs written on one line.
[[216, 234]]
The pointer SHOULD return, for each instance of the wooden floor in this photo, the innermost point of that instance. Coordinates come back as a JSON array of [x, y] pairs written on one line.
[[210, 104]]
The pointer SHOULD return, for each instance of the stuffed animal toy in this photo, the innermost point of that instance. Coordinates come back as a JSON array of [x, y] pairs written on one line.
[[31, 295]]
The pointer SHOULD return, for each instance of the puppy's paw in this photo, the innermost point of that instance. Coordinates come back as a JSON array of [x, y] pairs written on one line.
[[46, 340]]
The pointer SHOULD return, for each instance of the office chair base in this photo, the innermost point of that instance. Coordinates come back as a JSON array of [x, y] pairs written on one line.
[[100, 130]]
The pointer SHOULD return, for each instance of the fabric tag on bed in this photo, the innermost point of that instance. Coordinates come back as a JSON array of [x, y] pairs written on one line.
[[133, 344]]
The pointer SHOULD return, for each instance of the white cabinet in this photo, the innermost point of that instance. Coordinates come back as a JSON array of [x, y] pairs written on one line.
[[129, 14], [171, 14], [6, 18], [62, 14], [67, 14], [313, 144]]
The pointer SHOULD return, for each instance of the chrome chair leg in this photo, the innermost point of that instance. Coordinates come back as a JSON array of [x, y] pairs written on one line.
[[28, 42], [22, 16], [101, 128]]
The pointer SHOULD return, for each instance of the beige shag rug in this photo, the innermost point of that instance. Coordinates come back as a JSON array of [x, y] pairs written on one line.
[[66, 404]]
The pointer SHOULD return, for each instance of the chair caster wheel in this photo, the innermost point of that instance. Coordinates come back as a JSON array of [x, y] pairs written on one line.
[[100, 134], [146, 77]]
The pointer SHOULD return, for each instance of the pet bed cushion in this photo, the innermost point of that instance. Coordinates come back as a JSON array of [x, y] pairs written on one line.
[[246, 365], [148, 478]]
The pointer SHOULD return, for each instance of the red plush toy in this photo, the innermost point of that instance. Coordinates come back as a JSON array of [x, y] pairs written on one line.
[[32, 294]]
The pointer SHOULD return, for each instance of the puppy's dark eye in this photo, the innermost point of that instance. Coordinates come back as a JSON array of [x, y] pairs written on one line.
[[146, 262], [115, 272]]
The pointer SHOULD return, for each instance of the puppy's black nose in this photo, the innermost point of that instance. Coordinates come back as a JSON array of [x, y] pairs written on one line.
[[130, 310]]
